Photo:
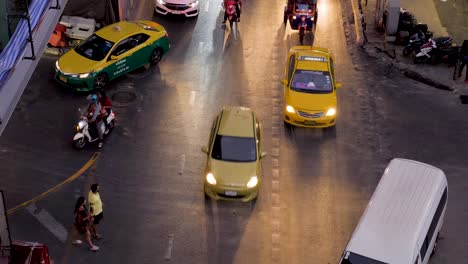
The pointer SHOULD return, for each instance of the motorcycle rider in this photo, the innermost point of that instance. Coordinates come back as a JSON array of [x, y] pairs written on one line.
[[94, 116], [238, 5], [106, 106], [464, 60]]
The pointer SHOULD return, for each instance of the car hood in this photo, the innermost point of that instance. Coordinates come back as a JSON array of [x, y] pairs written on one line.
[[179, 2], [235, 174], [310, 101], [72, 62]]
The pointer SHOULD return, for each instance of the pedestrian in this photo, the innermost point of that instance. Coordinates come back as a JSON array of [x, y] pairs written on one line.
[[82, 223], [95, 207], [464, 60]]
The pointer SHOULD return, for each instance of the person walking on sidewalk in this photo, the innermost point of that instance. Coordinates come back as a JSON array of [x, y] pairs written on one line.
[[463, 60], [95, 206], [82, 223]]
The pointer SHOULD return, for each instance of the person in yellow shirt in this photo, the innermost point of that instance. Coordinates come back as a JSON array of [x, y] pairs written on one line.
[[95, 208]]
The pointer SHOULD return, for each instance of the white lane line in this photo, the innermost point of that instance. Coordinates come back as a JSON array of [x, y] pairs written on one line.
[[182, 164], [170, 244], [192, 98], [49, 222], [207, 6], [200, 47]]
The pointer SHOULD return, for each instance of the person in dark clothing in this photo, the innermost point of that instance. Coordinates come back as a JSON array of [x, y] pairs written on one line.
[[82, 223], [464, 60]]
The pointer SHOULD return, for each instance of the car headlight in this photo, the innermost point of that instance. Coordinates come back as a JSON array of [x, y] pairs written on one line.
[[252, 182], [294, 17], [193, 4], [331, 112], [162, 2], [57, 65], [290, 109], [210, 178], [84, 75]]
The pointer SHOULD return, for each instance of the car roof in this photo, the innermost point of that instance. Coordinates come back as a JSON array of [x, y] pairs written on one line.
[[118, 31], [405, 198], [311, 58], [237, 121]]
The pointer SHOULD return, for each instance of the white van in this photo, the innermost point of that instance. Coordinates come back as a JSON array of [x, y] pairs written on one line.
[[402, 221]]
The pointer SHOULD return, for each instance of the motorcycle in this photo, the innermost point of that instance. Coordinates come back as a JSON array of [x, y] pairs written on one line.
[[232, 14], [86, 134], [415, 42], [435, 50], [302, 29]]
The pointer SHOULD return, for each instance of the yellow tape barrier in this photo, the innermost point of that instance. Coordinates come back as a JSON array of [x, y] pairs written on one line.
[[70, 179]]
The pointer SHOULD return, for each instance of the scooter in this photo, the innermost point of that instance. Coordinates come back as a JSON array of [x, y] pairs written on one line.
[[435, 50], [85, 134], [415, 42]]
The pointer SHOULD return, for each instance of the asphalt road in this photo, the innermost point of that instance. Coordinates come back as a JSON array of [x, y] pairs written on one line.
[[316, 184]]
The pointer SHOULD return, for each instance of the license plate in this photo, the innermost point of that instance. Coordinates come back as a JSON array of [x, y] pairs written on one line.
[[63, 78], [176, 12], [230, 193], [309, 122]]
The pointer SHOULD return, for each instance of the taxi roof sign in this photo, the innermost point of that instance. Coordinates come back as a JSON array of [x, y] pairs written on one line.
[[312, 58]]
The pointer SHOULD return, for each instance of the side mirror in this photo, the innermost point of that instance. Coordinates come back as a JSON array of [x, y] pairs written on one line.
[[338, 85], [263, 154], [112, 57], [285, 82], [204, 149]]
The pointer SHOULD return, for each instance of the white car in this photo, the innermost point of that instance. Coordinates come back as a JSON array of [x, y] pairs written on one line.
[[188, 8]]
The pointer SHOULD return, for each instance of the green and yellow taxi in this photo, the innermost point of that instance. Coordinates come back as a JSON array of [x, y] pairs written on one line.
[[111, 52], [310, 88], [233, 167]]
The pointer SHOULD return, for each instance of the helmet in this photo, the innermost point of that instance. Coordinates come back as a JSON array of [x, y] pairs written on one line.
[[93, 98]]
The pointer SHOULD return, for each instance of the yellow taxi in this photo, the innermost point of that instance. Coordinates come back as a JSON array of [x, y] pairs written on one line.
[[310, 88], [233, 167], [111, 52]]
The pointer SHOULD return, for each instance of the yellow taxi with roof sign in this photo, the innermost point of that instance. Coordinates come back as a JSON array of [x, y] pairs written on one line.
[[310, 88], [111, 52]]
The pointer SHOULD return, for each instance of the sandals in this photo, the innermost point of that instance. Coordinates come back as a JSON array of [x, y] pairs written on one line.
[[94, 248], [97, 236]]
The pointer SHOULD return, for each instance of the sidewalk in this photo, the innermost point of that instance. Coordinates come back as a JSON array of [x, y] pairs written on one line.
[[439, 76]]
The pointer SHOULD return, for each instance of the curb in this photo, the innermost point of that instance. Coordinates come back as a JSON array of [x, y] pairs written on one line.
[[404, 68]]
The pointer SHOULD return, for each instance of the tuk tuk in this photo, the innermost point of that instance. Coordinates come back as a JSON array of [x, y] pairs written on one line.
[[296, 9]]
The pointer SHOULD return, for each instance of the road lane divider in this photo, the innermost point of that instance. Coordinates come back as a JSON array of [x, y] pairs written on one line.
[[77, 174]]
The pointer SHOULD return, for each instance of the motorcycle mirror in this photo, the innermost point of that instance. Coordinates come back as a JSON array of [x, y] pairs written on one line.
[[338, 85], [285, 82]]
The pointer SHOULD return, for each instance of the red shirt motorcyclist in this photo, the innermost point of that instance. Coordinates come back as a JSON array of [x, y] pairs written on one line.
[[238, 5]]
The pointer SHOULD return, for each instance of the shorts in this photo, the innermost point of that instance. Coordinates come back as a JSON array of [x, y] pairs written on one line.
[[97, 218]]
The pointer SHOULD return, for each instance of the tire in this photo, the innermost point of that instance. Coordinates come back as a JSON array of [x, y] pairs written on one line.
[[407, 51], [156, 56], [301, 35], [79, 143], [100, 81]]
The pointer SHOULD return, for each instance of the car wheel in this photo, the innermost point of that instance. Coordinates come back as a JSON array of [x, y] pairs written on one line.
[[156, 56], [100, 81]]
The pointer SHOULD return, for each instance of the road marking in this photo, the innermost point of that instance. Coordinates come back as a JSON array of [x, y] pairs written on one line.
[[207, 6], [192, 98], [200, 47], [41, 196], [170, 244], [49, 222], [182, 164]]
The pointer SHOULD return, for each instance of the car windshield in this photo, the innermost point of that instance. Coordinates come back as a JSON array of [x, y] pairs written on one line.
[[302, 7], [94, 48], [237, 149], [311, 82], [353, 258]]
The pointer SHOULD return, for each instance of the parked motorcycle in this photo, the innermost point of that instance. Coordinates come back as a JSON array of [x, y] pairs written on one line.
[[86, 134], [433, 50], [415, 42]]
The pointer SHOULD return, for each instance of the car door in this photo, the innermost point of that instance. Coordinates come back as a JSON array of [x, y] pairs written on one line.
[[121, 59], [142, 48]]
